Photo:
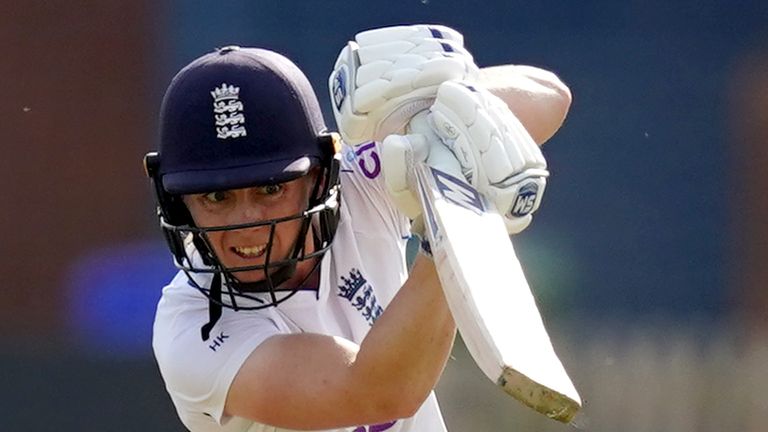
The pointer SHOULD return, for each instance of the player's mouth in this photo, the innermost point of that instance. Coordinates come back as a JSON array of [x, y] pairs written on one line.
[[249, 252]]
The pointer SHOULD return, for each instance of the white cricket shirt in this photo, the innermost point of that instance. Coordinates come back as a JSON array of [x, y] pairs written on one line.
[[360, 275]]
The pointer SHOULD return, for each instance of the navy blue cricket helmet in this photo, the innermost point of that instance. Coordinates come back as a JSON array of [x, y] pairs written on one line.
[[236, 118]]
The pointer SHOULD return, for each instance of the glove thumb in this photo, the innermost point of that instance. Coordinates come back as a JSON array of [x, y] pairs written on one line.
[[399, 156]]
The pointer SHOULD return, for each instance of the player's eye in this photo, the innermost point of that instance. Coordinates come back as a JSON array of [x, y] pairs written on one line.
[[215, 197], [271, 189]]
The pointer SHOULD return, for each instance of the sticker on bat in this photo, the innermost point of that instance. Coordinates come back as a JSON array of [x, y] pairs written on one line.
[[458, 191]]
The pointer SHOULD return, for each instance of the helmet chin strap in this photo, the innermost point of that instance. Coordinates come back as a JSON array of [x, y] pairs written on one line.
[[214, 307], [269, 284]]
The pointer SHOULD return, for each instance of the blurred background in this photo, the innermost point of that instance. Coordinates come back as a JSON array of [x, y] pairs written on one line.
[[649, 258]]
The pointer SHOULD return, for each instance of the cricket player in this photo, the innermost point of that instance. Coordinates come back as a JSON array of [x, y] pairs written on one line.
[[293, 308]]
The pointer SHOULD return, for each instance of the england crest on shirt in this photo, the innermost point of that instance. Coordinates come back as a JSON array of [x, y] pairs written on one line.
[[356, 289]]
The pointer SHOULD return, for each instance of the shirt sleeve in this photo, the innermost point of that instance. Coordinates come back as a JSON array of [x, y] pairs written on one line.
[[365, 193], [197, 373]]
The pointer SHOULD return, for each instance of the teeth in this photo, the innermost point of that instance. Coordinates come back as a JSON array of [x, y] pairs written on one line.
[[250, 251]]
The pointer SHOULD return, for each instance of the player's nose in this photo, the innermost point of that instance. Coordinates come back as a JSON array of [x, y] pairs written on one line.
[[247, 212]]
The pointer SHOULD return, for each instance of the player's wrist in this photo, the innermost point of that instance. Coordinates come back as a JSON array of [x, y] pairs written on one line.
[[418, 232], [425, 248]]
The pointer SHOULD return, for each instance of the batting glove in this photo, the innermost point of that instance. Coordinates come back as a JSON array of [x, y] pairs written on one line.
[[387, 75], [400, 155], [497, 155]]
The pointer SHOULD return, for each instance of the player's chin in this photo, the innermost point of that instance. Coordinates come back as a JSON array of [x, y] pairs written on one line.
[[250, 276], [233, 261], [234, 264]]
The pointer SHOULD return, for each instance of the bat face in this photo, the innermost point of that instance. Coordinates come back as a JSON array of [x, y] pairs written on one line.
[[451, 189], [489, 296]]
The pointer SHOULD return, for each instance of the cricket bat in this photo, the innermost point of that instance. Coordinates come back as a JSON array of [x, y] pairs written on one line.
[[487, 292]]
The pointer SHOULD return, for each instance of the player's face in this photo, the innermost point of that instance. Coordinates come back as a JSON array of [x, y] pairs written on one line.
[[248, 247]]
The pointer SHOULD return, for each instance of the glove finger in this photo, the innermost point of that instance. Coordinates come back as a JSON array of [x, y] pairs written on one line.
[[446, 33], [370, 96], [441, 69], [459, 100], [495, 162], [405, 61], [517, 141], [387, 34], [439, 47], [426, 72], [375, 70], [384, 51], [512, 150], [426, 48], [400, 82], [502, 155]]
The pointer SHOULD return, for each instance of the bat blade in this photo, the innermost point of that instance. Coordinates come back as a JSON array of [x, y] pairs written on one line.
[[489, 296]]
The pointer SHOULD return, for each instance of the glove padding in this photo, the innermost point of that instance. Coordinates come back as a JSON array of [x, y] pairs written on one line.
[[400, 154], [497, 155], [387, 75]]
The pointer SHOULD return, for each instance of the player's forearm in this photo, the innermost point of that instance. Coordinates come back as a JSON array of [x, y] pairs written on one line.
[[537, 97], [405, 352]]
